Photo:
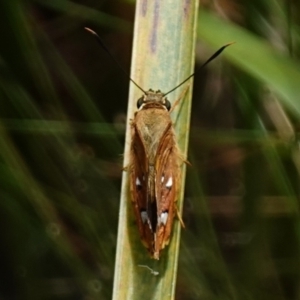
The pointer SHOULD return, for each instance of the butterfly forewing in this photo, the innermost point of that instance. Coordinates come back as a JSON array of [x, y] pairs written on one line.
[[167, 179], [138, 177]]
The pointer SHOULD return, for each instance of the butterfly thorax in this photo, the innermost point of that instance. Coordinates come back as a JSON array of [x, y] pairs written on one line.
[[151, 123]]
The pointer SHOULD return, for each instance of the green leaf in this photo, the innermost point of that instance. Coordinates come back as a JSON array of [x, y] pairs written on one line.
[[255, 56]]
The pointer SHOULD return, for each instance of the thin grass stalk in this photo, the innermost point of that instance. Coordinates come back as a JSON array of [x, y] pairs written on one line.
[[163, 56]]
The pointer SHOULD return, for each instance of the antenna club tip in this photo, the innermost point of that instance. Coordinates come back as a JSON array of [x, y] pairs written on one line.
[[90, 30], [231, 43]]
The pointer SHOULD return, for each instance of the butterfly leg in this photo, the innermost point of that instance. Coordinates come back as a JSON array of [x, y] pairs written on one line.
[[180, 97], [179, 217]]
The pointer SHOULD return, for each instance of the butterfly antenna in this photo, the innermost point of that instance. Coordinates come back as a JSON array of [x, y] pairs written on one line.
[[112, 57], [217, 53]]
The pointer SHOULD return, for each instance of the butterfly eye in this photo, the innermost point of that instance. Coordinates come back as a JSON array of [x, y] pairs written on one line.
[[167, 104], [140, 102]]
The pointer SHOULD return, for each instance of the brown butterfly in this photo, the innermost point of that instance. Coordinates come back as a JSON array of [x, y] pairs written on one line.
[[154, 165], [154, 170]]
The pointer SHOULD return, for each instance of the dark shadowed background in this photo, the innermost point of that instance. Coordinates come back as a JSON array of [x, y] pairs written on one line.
[[63, 109]]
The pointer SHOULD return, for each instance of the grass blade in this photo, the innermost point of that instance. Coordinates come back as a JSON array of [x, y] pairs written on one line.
[[163, 56]]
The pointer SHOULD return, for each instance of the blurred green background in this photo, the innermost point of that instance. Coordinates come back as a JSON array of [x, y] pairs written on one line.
[[63, 109]]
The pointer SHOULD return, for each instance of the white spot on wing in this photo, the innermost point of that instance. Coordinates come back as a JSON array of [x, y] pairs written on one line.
[[169, 183], [138, 182], [144, 216], [162, 179], [163, 218]]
